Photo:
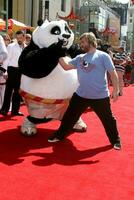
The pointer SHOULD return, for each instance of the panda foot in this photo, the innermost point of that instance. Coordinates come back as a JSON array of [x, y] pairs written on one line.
[[80, 126], [28, 128]]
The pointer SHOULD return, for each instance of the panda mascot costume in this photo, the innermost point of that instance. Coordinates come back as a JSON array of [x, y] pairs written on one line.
[[45, 86]]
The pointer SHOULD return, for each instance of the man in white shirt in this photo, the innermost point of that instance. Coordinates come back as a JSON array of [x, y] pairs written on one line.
[[13, 76]]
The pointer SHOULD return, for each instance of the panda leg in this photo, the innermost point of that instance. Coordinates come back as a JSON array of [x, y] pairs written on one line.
[[28, 128], [37, 120]]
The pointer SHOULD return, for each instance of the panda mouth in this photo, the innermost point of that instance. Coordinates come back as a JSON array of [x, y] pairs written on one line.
[[65, 42]]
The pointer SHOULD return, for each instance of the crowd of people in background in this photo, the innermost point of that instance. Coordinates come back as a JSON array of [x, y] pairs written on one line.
[[10, 79], [124, 64], [13, 75]]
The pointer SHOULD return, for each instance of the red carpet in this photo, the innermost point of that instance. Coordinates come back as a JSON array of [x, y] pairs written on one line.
[[83, 167]]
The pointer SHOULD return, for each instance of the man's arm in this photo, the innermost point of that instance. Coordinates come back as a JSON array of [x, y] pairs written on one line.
[[65, 65], [115, 83]]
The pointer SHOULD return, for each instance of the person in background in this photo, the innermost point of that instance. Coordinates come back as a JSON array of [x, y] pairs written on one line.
[[120, 62], [28, 38], [7, 39], [3, 50], [13, 76], [128, 69], [93, 90], [3, 56], [132, 70]]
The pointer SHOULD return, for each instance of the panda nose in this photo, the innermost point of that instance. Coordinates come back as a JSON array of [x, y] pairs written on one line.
[[66, 36]]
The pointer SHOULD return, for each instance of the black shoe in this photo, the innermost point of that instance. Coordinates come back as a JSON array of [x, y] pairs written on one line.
[[54, 138], [17, 114], [83, 130], [120, 94], [3, 112], [117, 145]]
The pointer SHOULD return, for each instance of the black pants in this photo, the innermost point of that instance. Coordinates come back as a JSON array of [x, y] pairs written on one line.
[[12, 90], [102, 109]]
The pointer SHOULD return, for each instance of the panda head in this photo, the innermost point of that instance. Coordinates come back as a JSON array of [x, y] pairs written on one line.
[[52, 32]]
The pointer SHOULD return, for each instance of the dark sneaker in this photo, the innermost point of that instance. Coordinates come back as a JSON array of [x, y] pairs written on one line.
[[3, 112], [53, 139], [17, 114], [83, 130], [120, 94], [117, 145]]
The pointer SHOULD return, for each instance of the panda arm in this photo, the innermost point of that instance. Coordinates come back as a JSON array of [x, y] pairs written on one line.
[[38, 63]]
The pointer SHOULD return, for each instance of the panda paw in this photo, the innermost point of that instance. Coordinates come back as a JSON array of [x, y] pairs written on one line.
[[28, 128], [80, 126]]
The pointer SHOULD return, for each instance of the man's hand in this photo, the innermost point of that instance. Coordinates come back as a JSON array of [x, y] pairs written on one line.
[[115, 83], [115, 95], [57, 45]]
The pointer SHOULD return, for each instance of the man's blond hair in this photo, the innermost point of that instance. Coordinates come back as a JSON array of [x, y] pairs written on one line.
[[91, 38]]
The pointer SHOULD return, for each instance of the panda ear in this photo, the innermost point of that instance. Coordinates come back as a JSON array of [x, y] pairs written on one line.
[[40, 22]]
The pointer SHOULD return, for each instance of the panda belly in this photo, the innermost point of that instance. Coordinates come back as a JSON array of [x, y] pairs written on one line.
[[59, 84]]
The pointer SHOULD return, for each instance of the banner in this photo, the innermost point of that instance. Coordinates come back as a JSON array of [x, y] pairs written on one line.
[[14, 25]]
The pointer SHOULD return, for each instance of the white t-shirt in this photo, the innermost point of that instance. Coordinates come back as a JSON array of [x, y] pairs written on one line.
[[14, 51]]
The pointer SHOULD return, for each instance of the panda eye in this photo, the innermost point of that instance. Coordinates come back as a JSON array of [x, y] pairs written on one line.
[[55, 30], [67, 29]]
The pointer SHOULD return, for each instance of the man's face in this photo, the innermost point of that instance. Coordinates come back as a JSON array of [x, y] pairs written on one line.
[[7, 41], [84, 44], [120, 50], [28, 39], [20, 38]]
